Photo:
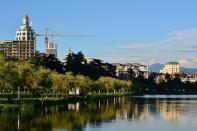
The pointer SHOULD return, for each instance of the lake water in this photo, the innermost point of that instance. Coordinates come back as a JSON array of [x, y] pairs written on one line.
[[148, 113]]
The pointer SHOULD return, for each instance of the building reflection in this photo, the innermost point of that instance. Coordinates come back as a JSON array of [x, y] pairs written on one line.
[[76, 116], [169, 111], [166, 109]]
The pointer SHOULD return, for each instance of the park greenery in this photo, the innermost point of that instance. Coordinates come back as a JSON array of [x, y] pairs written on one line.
[[44, 76]]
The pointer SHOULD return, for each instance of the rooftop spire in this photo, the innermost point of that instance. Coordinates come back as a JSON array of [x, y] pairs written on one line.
[[26, 17], [26, 20]]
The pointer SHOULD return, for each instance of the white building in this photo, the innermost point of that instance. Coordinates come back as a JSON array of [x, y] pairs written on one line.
[[189, 78], [122, 70], [170, 68], [25, 32]]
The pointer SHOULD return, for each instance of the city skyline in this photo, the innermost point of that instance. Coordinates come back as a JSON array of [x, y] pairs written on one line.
[[124, 31]]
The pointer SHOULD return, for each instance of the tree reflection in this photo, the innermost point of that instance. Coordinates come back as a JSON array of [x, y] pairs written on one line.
[[76, 116]]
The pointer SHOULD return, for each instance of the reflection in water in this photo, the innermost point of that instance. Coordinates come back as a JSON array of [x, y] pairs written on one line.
[[18, 121], [77, 116]]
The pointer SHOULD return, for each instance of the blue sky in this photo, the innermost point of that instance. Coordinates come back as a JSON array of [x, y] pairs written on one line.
[[145, 31]]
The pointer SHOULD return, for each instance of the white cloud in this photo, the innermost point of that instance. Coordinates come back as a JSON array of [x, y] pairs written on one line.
[[176, 46], [188, 62], [184, 62]]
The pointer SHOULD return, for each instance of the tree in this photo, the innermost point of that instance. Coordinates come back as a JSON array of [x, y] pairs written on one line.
[[70, 81], [59, 82], [131, 74], [152, 77], [75, 63], [168, 78], [50, 62], [28, 75], [83, 83], [94, 69], [10, 75], [53, 64], [44, 79], [107, 83]]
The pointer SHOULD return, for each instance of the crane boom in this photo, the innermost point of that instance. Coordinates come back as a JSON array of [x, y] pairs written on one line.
[[55, 35], [46, 41], [46, 35]]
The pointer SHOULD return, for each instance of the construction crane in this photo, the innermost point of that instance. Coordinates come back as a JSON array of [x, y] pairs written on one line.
[[46, 35], [46, 41]]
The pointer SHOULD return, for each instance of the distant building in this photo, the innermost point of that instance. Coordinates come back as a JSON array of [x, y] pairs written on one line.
[[123, 70], [51, 49], [189, 78], [171, 68], [69, 52], [25, 44], [89, 60]]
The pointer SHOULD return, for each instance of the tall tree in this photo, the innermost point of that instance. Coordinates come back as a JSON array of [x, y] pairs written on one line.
[[44, 79], [28, 75]]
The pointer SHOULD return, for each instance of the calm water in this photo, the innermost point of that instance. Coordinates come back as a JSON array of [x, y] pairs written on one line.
[[148, 113]]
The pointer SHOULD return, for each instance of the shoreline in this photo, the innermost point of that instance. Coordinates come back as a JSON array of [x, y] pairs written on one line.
[[51, 101]]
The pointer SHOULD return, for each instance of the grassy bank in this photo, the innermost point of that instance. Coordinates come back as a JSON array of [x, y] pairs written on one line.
[[50, 101], [73, 99]]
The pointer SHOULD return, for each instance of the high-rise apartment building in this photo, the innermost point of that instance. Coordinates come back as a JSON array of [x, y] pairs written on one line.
[[25, 44]]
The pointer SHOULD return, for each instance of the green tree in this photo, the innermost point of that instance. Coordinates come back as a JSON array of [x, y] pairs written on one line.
[[70, 81], [83, 83], [28, 76], [59, 82], [107, 83], [44, 79]]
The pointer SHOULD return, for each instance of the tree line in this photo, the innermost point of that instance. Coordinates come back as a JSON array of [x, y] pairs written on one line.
[[163, 84], [47, 75]]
